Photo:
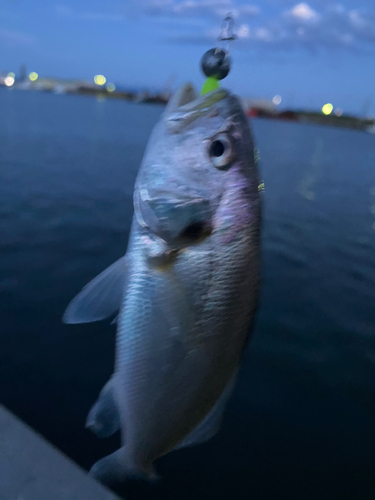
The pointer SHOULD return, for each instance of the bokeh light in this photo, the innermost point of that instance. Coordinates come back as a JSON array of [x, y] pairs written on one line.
[[11, 74], [111, 87], [100, 79], [327, 109], [33, 76], [9, 81], [277, 100]]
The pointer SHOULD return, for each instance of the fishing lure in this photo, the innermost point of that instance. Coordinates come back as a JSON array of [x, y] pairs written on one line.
[[216, 62]]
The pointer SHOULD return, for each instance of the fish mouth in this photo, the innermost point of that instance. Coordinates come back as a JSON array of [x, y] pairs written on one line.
[[173, 219], [186, 106], [195, 232]]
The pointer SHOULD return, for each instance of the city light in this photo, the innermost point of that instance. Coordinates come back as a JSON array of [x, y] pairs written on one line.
[[277, 100], [33, 76], [100, 79], [11, 74], [338, 112], [327, 109], [111, 87], [9, 81]]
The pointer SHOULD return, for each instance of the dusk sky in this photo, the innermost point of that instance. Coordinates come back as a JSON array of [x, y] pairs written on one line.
[[310, 52]]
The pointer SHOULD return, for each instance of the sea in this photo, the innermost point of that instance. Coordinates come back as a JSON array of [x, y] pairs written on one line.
[[301, 422]]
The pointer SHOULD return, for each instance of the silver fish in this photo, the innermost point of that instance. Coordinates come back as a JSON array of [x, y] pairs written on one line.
[[187, 289]]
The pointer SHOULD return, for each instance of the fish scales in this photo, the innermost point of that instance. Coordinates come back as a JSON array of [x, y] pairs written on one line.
[[190, 288]]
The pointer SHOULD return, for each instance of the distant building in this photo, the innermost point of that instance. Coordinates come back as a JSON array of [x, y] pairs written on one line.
[[23, 73], [259, 107], [58, 85], [261, 104]]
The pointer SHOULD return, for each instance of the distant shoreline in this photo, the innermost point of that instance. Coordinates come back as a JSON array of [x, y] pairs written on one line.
[[252, 111]]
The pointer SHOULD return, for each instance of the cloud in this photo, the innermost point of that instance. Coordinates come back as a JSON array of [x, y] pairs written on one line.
[[196, 8], [64, 11], [289, 25], [301, 26], [8, 37], [302, 12], [168, 9], [243, 32]]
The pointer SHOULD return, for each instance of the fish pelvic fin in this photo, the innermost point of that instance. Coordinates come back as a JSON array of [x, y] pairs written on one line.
[[104, 418]]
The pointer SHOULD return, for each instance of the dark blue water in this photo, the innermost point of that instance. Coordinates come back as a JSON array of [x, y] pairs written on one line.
[[301, 422]]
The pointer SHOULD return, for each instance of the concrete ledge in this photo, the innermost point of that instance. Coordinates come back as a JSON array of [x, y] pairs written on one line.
[[32, 469]]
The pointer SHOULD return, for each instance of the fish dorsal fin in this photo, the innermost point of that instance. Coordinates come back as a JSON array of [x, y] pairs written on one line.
[[100, 298], [211, 423], [184, 94]]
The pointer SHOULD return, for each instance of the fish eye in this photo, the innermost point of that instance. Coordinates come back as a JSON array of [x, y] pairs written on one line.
[[220, 151]]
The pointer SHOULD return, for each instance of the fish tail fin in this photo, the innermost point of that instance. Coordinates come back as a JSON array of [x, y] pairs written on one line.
[[115, 469]]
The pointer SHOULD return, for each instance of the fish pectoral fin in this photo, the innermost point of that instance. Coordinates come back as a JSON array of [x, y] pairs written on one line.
[[211, 423], [100, 298], [104, 418]]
